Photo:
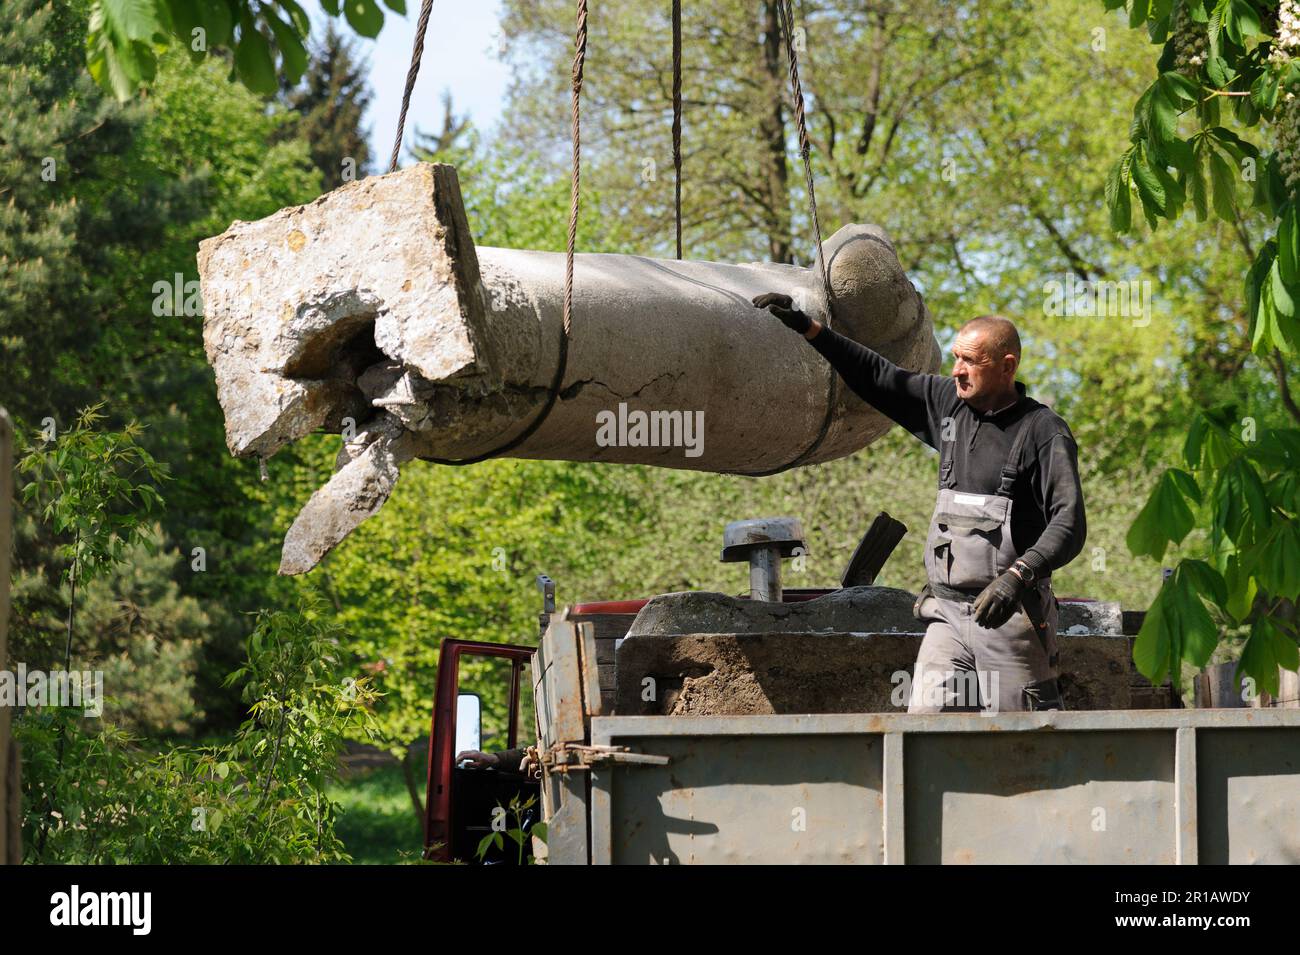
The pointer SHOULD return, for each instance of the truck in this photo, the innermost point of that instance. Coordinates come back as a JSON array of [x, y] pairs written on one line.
[[653, 745]]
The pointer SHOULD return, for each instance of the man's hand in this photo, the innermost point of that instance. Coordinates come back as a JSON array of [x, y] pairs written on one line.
[[782, 306], [999, 600], [477, 759]]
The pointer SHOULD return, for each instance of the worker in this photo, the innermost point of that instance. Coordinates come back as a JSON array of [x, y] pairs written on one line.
[[1009, 512]]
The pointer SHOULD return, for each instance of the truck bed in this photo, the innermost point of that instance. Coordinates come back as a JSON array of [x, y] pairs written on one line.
[[1131, 786]]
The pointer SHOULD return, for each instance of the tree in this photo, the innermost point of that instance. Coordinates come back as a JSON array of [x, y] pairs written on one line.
[[60, 221], [455, 553], [85, 487], [456, 137], [92, 795], [1225, 63], [331, 102], [264, 39], [956, 127], [148, 638], [259, 798], [200, 129], [101, 212]]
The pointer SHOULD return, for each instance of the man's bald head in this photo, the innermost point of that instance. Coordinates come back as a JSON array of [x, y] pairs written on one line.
[[986, 354], [998, 333]]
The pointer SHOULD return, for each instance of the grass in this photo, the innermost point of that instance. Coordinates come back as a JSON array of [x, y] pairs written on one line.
[[377, 823]]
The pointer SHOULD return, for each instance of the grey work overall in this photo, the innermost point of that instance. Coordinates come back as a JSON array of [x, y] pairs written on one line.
[[962, 666]]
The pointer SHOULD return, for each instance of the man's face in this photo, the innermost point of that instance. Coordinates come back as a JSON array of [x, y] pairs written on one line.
[[978, 375]]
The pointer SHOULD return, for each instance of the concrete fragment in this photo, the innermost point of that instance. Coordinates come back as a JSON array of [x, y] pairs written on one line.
[[374, 298], [367, 471], [1090, 616]]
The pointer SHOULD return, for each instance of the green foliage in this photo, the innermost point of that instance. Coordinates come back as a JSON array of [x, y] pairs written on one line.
[[259, 799], [513, 819], [1161, 167], [375, 820], [301, 711], [266, 38], [92, 793], [1166, 516], [329, 107], [237, 159], [130, 620], [130, 192], [96, 487], [62, 226], [454, 553], [1241, 485], [1245, 485], [147, 637]]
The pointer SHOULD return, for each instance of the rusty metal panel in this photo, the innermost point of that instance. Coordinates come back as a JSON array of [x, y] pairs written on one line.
[[561, 669], [1118, 786], [566, 817], [557, 685], [584, 635]]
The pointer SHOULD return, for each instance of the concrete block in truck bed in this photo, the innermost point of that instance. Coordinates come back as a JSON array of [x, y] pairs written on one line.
[[738, 674], [852, 609], [713, 654], [878, 609]]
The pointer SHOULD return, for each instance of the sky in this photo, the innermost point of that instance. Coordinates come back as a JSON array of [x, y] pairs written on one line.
[[459, 55]]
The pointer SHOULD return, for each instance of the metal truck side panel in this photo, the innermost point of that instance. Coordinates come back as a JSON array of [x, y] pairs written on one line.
[[1140, 786]]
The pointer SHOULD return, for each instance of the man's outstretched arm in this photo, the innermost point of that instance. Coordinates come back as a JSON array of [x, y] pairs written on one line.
[[1067, 528], [901, 395]]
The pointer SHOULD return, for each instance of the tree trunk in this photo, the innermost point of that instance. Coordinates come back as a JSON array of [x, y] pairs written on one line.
[[413, 786], [774, 181]]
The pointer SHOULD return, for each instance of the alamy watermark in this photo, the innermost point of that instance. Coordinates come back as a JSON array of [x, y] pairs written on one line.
[[83, 689], [651, 429], [952, 689], [75, 907], [1083, 298]]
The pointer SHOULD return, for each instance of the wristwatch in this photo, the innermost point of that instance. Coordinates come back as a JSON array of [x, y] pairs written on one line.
[[1023, 571]]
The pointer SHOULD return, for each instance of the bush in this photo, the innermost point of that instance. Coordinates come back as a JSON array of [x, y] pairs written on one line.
[[94, 794]]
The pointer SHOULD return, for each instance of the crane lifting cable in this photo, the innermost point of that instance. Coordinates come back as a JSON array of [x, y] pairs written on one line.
[[579, 59]]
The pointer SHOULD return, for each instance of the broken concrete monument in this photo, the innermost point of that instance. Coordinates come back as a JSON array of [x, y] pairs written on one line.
[[371, 313]]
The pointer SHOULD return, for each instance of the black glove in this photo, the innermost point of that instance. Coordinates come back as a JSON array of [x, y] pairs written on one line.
[[782, 306], [999, 600]]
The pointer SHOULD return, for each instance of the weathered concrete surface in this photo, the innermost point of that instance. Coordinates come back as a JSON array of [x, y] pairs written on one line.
[[879, 609], [873, 608], [712, 654], [367, 468], [373, 302]]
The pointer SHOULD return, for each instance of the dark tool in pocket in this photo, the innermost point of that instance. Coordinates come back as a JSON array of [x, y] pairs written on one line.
[[1032, 601], [1043, 695]]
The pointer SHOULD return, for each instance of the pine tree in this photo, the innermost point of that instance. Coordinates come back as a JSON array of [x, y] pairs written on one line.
[[331, 102], [54, 119], [455, 140]]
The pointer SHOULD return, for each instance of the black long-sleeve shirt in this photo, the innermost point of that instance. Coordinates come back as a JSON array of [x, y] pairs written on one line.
[[509, 760], [1048, 526]]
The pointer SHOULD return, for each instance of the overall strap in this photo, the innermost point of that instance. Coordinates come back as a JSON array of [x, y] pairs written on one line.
[[1011, 470], [945, 461]]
